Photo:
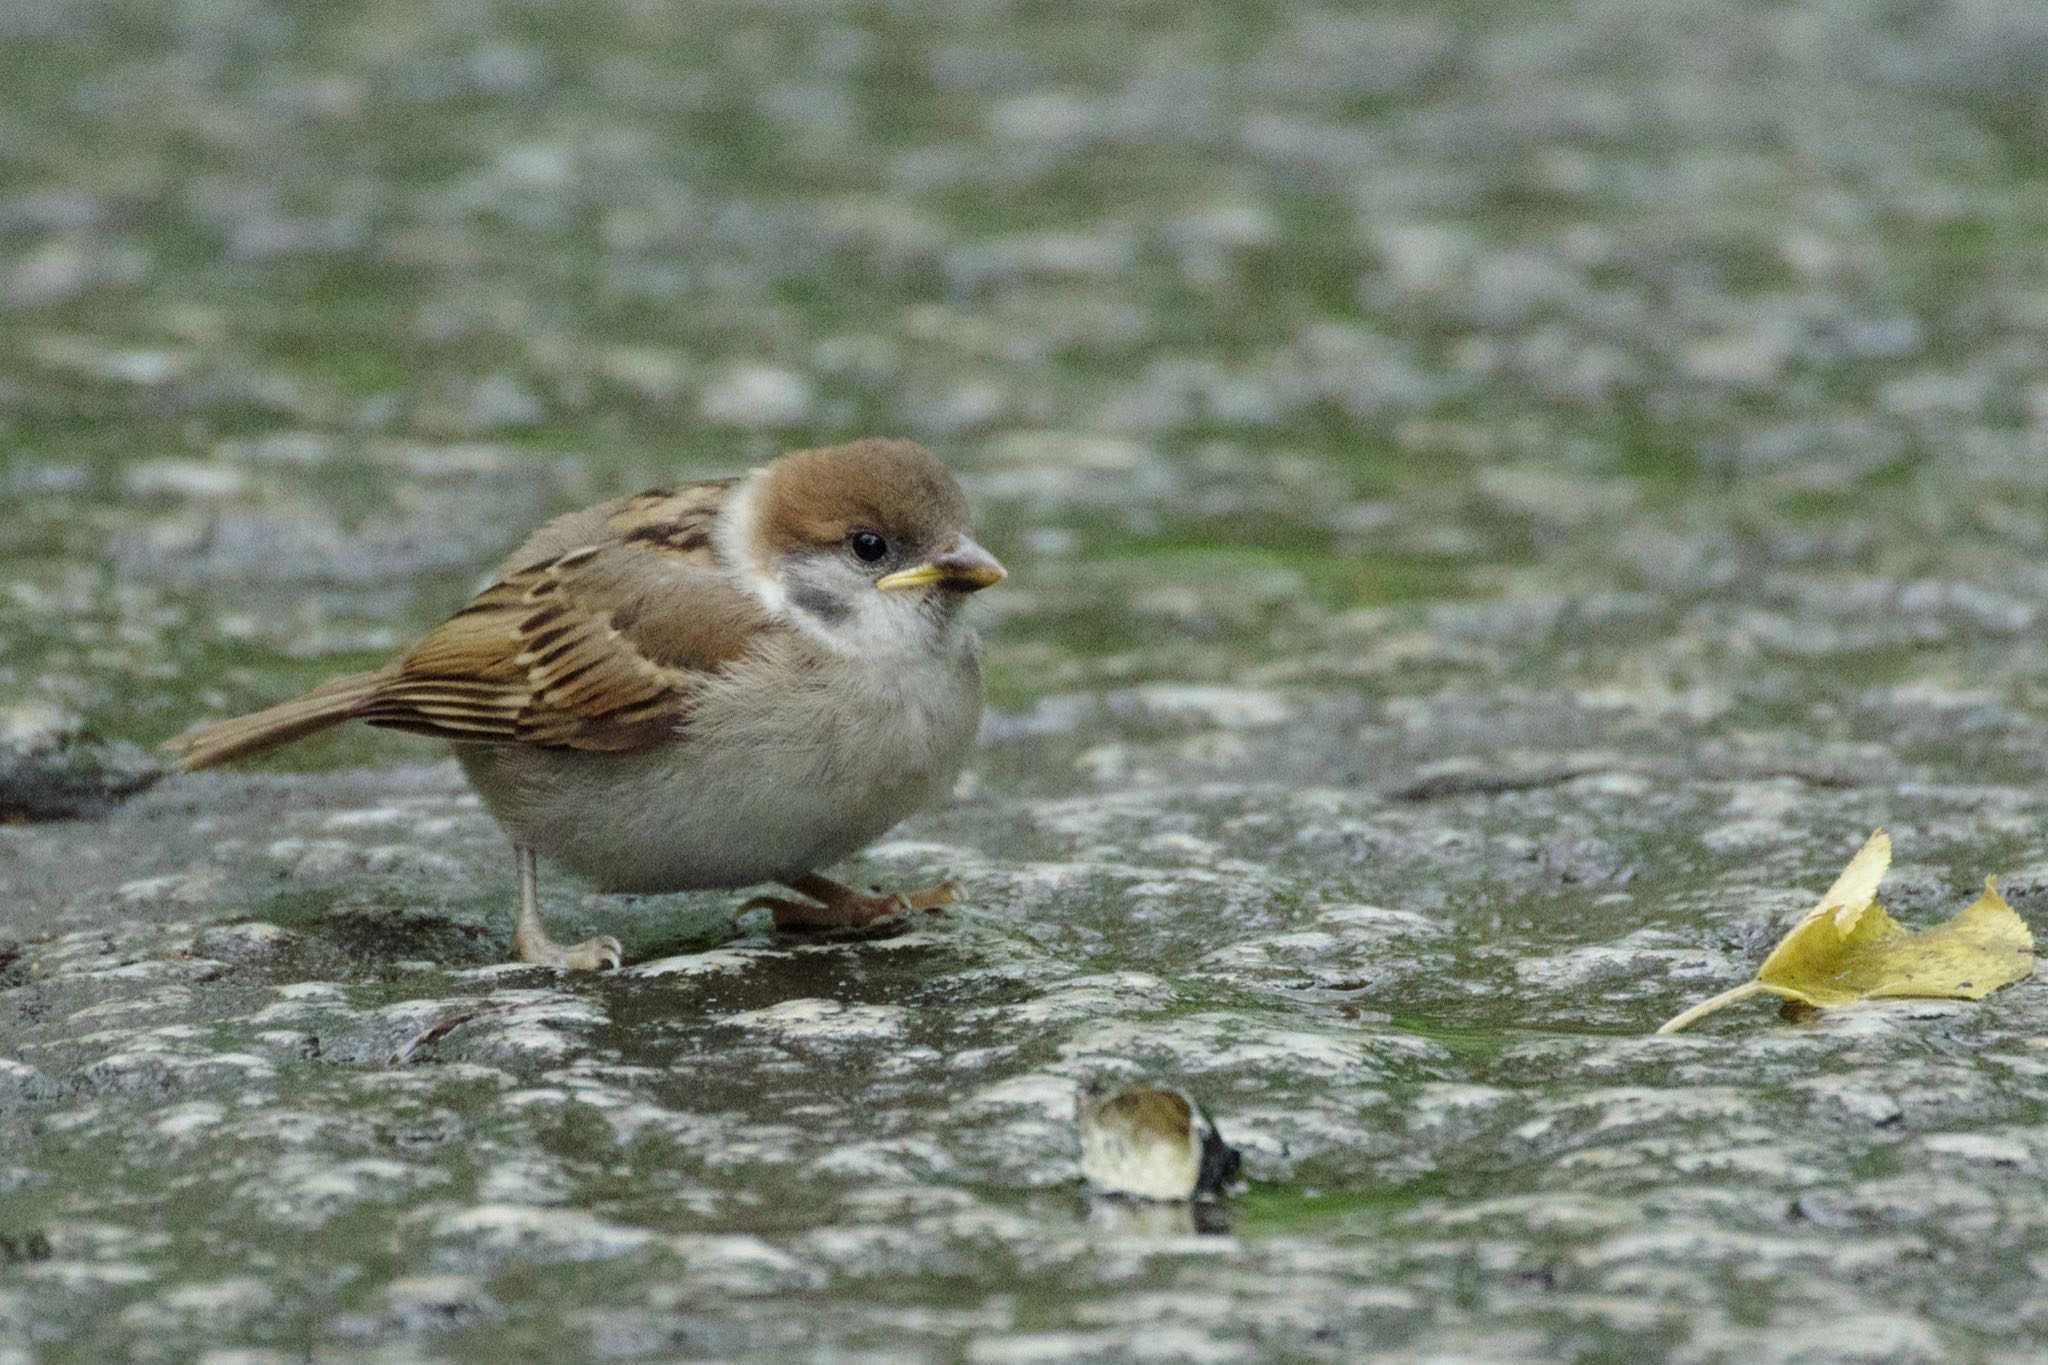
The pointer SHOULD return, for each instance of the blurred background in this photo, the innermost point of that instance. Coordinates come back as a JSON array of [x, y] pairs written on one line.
[[1238, 320]]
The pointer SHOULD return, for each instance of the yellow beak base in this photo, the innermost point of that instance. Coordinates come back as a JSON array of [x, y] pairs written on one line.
[[964, 568]]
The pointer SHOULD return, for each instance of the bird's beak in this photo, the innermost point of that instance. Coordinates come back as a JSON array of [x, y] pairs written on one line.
[[962, 566]]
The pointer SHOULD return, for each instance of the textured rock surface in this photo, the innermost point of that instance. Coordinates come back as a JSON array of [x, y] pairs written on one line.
[[1501, 500], [50, 769]]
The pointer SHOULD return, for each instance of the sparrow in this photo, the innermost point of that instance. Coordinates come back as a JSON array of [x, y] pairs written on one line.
[[704, 686]]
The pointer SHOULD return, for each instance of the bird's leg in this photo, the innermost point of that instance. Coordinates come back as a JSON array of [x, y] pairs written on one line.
[[833, 905], [530, 938]]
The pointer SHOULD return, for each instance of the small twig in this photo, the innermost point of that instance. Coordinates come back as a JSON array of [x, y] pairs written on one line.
[[441, 1028], [1827, 779], [1443, 786]]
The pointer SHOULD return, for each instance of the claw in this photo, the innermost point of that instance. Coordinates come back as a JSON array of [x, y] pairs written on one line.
[[530, 937], [829, 905], [593, 954], [932, 897], [799, 916]]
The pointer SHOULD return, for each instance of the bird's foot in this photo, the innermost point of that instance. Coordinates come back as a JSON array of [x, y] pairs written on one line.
[[932, 897], [593, 954], [833, 906], [530, 937]]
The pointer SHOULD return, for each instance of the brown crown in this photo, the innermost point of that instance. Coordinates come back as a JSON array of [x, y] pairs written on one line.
[[896, 488]]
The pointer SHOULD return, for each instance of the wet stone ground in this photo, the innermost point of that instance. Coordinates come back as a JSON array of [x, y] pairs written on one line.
[[1501, 501]]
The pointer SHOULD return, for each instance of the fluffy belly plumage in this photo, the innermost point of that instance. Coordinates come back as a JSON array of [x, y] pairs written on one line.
[[761, 787]]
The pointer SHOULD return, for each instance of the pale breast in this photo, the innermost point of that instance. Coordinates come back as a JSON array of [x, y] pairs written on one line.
[[790, 761]]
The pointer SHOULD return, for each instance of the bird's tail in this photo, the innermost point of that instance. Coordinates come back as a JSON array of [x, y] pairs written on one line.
[[259, 732]]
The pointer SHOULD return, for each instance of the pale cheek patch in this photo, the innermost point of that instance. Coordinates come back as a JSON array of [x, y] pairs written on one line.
[[847, 614], [734, 537]]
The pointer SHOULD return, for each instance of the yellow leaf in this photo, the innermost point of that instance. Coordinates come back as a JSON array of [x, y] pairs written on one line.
[[1983, 948], [1856, 888], [1848, 949]]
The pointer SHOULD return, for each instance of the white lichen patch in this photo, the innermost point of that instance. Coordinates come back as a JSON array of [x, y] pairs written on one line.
[[436, 1301], [1210, 1042], [2015, 1151], [741, 1264], [1086, 997], [710, 962], [182, 1120], [149, 1004], [1380, 922], [1637, 958], [184, 889], [85, 1277], [536, 1234], [1228, 707], [826, 1020], [306, 1190], [424, 819], [912, 940], [207, 1307]]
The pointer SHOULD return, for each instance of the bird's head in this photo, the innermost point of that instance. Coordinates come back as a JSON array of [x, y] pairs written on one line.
[[868, 546]]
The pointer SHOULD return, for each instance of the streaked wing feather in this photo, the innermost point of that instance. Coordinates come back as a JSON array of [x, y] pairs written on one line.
[[678, 518], [598, 645]]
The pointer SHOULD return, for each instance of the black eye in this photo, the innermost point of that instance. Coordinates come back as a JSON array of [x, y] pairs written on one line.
[[867, 545]]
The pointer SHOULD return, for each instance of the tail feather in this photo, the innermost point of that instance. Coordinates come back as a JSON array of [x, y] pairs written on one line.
[[331, 703]]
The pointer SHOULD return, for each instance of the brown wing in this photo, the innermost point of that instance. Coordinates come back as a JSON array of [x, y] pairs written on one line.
[[596, 637], [677, 518]]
